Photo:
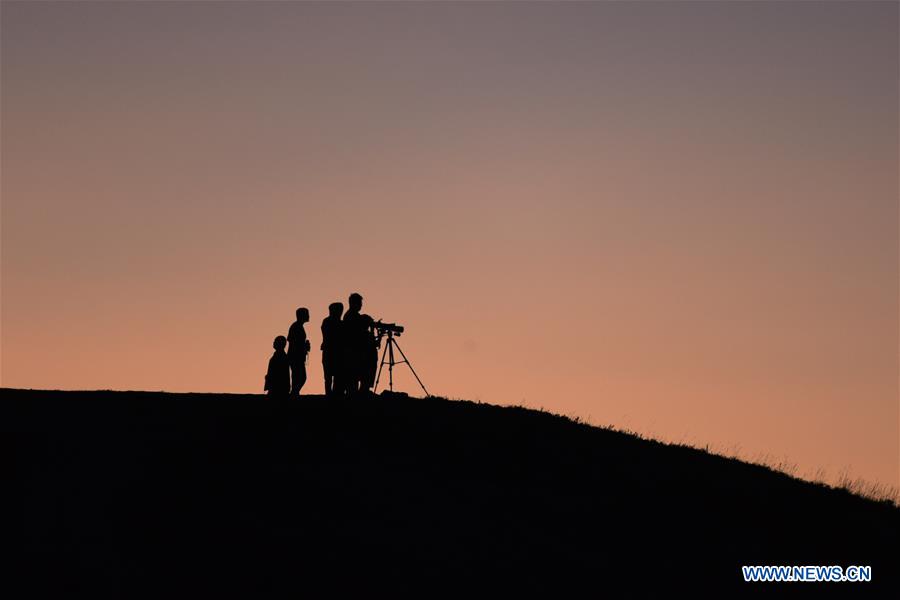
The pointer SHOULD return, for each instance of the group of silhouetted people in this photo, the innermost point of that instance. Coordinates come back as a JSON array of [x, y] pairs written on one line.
[[349, 353]]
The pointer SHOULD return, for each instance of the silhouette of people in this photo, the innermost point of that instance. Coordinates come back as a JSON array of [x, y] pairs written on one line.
[[278, 376], [298, 348], [333, 350], [361, 351], [350, 347]]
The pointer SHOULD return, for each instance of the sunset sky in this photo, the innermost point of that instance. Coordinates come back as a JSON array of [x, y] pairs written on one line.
[[677, 218]]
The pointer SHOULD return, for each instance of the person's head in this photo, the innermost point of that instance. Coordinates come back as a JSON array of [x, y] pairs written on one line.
[[355, 302], [303, 315], [280, 342], [335, 309]]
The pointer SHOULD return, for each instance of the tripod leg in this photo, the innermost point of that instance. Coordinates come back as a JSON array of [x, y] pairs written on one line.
[[391, 365], [409, 364]]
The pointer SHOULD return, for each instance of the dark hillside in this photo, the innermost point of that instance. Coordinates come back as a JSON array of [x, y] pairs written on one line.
[[131, 494]]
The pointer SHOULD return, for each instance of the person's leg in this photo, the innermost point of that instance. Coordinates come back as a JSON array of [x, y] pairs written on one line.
[[337, 382], [340, 377], [298, 376], [371, 368], [352, 381], [329, 378]]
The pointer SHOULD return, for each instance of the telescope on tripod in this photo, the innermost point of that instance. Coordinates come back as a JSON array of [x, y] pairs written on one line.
[[390, 331]]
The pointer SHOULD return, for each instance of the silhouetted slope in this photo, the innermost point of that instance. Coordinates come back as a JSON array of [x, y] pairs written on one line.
[[168, 495]]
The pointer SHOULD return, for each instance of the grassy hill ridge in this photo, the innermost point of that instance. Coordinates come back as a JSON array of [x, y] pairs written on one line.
[[137, 494]]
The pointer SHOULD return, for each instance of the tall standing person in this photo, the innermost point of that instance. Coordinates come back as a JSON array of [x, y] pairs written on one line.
[[351, 325], [298, 348], [333, 350], [359, 347]]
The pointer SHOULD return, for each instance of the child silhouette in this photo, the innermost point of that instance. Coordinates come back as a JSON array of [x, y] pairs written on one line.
[[278, 377]]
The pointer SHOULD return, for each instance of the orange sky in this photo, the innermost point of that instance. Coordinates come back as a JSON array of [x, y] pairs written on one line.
[[680, 219]]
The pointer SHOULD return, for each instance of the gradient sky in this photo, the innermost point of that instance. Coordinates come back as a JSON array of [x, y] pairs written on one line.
[[678, 218]]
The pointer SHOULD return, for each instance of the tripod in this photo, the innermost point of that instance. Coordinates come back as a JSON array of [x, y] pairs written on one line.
[[387, 358]]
